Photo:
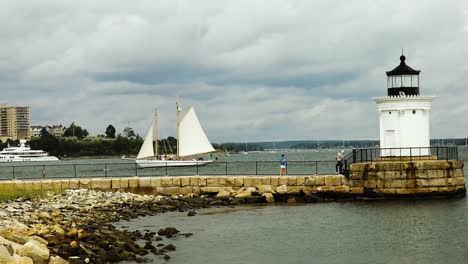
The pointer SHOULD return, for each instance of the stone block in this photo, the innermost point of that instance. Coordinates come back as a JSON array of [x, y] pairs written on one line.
[[194, 181], [356, 190], [455, 181], [256, 181], [74, 184], [65, 184], [294, 190], [124, 183], [337, 180], [212, 182], [438, 182], [166, 181], [356, 183], [329, 180], [292, 181], [37, 186], [47, 185], [184, 181], [106, 184], [274, 180], [144, 182], [248, 182], [96, 184], [380, 184], [133, 182], [222, 181], [185, 190], [319, 180], [309, 190], [404, 191], [196, 189], [341, 189], [167, 191], [203, 181], [325, 189], [85, 184], [356, 175], [239, 181], [266, 180], [211, 190], [300, 180], [115, 183], [370, 184], [456, 164], [310, 181], [283, 180], [57, 185], [411, 183], [385, 191], [176, 182], [421, 190], [433, 189], [389, 175], [460, 187], [265, 189]]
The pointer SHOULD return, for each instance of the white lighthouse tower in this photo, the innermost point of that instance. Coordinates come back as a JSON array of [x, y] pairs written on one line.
[[404, 114]]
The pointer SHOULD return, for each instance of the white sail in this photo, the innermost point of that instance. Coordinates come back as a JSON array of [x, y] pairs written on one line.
[[192, 138], [147, 149]]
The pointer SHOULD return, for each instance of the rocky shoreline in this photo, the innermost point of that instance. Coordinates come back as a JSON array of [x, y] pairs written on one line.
[[75, 226]]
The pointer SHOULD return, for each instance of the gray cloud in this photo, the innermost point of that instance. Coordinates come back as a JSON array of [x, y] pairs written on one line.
[[254, 70]]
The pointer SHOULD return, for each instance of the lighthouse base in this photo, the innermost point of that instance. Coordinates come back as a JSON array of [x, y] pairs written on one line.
[[405, 178]]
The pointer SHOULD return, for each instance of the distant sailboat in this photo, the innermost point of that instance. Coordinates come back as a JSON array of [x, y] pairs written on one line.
[[191, 140]]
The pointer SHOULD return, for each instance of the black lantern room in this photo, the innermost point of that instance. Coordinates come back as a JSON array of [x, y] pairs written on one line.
[[403, 80]]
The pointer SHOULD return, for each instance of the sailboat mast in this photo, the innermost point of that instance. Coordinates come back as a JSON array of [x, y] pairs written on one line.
[[156, 134], [177, 127]]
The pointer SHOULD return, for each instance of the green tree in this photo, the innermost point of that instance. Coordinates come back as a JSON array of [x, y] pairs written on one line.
[[129, 132], [75, 131], [110, 131]]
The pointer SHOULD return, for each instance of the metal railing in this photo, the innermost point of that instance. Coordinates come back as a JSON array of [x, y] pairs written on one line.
[[129, 169], [400, 154]]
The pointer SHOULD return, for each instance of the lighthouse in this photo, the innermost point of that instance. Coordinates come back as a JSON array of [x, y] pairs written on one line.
[[404, 114]]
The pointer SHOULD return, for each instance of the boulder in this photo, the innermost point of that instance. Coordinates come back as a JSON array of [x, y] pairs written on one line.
[[244, 194], [282, 189], [5, 255], [57, 260], [265, 189], [269, 198], [292, 200], [35, 250], [20, 260], [223, 194]]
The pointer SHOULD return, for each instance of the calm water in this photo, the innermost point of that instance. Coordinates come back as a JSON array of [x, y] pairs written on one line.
[[430, 231], [424, 231]]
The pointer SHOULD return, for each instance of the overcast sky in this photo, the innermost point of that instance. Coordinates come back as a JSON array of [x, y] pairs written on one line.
[[253, 70]]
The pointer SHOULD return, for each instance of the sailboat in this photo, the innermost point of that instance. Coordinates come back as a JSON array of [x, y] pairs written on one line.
[[191, 140]]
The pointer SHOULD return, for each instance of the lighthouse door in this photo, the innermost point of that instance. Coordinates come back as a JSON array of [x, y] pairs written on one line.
[[389, 143]]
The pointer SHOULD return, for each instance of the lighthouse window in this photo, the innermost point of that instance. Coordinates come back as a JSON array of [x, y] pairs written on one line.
[[390, 113], [414, 112]]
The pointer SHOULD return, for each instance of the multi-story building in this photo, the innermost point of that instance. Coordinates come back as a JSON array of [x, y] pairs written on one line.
[[56, 131], [14, 122]]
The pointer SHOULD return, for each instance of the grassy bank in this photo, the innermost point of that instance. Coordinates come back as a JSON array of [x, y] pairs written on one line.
[[6, 195]]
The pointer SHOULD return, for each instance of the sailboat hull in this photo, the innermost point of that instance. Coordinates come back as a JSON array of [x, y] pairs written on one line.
[[171, 163]]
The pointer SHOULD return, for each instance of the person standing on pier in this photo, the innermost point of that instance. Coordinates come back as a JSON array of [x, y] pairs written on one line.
[[282, 165], [339, 161]]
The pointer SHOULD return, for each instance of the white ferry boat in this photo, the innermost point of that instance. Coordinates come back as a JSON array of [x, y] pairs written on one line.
[[24, 153]]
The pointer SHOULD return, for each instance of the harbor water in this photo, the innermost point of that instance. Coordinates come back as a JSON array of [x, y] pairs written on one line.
[[394, 231]]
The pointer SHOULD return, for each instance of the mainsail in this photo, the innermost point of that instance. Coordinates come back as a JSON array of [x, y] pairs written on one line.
[[147, 149], [192, 138]]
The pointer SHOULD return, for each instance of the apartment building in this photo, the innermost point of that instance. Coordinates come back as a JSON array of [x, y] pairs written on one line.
[[14, 122]]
